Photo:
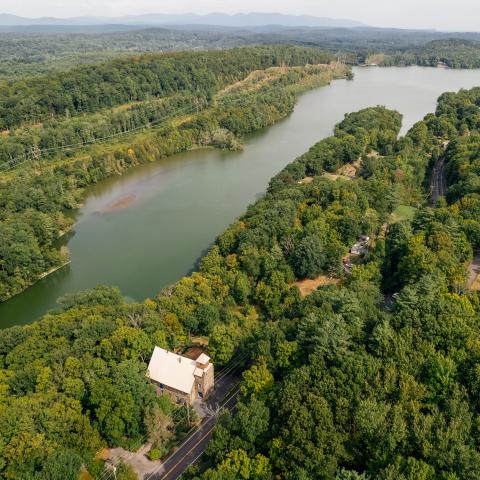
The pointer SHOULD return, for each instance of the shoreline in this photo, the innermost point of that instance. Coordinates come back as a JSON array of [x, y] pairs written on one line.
[[41, 277]]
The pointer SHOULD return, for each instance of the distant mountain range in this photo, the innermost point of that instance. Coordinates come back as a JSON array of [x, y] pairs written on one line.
[[220, 19]]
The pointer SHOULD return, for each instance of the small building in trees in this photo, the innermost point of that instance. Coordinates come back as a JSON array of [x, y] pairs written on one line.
[[183, 379]]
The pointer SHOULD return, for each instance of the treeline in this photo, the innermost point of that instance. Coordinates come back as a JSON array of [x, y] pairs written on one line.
[[27, 54], [53, 177], [92, 88], [375, 128], [452, 53], [65, 136], [33, 53]]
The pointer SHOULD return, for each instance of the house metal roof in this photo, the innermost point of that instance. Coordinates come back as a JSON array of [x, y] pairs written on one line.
[[172, 370]]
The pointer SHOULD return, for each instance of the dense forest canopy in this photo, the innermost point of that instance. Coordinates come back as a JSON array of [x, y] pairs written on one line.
[[89, 89], [453, 53], [32, 53], [347, 383], [361, 386]]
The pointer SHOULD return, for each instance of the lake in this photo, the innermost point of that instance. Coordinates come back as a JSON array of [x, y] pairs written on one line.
[[146, 229]]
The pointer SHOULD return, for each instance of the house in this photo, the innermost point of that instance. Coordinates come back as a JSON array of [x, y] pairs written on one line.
[[183, 379], [361, 247]]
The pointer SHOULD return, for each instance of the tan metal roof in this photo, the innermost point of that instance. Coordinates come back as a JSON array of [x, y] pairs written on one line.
[[172, 370]]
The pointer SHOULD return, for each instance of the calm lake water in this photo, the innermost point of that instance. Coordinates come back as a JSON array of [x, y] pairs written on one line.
[[169, 212]]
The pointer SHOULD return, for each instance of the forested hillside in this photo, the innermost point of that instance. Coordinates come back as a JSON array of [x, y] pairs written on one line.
[[100, 121], [453, 53], [347, 383], [89, 89], [30, 53]]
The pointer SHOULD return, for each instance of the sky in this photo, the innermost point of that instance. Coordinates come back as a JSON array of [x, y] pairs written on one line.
[[461, 15]]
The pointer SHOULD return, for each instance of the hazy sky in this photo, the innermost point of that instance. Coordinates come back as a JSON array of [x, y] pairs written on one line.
[[440, 14]]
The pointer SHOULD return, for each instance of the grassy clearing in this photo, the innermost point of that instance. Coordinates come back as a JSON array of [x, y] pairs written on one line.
[[402, 213]]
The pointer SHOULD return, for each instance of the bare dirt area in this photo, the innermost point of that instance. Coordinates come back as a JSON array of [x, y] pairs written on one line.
[[308, 285], [137, 460], [306, 180], [350, 170], [258, 78]]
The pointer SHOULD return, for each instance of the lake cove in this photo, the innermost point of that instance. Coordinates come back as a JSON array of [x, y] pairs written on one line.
[[144, 230]]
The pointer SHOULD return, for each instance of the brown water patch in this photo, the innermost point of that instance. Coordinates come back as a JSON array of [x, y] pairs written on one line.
[[119, 204]]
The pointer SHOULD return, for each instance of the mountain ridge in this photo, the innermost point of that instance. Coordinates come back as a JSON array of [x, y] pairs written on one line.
[[236, 20]]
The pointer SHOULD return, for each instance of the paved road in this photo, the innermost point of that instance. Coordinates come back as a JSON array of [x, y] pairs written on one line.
[[225, 395], [439, 183], [474, 269]]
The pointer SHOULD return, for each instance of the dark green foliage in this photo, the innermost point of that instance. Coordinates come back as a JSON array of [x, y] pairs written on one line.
[[31, 53], [453, 53], [309, 257]]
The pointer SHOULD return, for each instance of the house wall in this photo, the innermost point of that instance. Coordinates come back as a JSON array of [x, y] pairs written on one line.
[[175, 395], [208, 380], [205, 383]]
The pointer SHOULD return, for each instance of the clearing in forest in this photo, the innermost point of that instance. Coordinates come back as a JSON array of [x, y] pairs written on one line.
[[306, 180], [309, 285], [258, 78], [401, 213]]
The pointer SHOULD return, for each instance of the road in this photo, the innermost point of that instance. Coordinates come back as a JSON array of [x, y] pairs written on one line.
[[192, 448], [438, 183], [474, 269]]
